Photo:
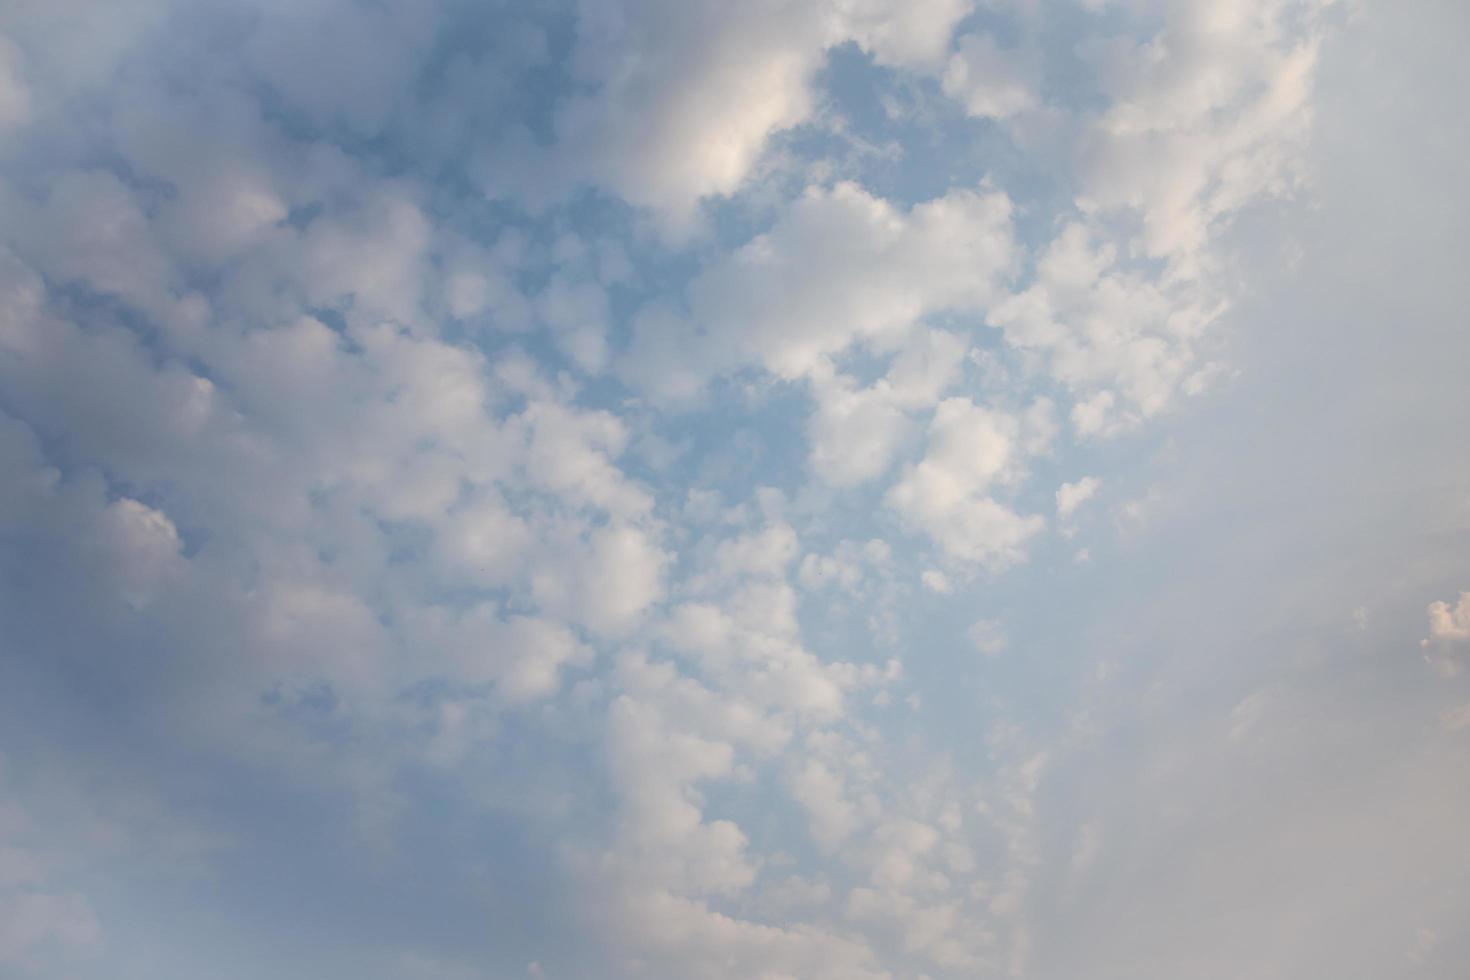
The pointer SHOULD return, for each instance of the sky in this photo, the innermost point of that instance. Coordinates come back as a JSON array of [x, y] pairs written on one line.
[[792, 490]]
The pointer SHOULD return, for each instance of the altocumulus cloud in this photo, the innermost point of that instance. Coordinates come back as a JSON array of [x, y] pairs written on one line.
[[598, 489]]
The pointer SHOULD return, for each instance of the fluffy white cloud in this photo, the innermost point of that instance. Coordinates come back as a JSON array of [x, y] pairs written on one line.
[[843, 267], [847, 567], [855, 432], [372, 257], [368, 485], [521, 656], [1070, 496], [1449, 629], [686, 95], [144, 545], [1450, 623], [1205, 115], [913, 35], [605, 580], [947, 494], [989, 80], [822, 795], [937, 581], [90, 230], [674, 735], [840, 270], [1122, 340]]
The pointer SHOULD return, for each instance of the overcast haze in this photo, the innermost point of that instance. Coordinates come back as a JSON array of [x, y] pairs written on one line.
[[674, 489]]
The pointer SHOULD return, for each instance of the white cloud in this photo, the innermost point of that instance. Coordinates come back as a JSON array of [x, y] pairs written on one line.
[[1206, 115], [766, 553], [854, 433], [1070, 496], [522, 656], [841, 269], [373, 259], [285, 409], [1448, 623], [936, 581], [144, 545], [571, 454], [90, 230], [484, 542], [686, 95], [914, 35], [988, 80], [821, 794], [847, 568], [927, 367], [750, 645], [971, 451], [606, 581], [1122, 341]]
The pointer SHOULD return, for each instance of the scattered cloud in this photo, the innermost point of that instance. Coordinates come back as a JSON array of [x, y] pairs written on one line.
[[1450, 624], [518, 478], [1070, 496]]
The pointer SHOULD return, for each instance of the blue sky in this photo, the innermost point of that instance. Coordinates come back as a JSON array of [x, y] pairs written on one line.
[[644, 489]]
